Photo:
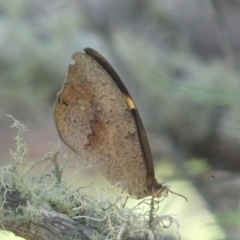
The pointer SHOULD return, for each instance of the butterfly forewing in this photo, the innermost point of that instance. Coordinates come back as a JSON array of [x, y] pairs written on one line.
[[95, 120]]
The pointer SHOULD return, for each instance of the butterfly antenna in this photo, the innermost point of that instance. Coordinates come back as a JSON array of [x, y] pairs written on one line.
[[178, 194]]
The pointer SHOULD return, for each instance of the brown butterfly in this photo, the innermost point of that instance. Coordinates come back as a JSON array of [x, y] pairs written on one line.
[[97, 118]]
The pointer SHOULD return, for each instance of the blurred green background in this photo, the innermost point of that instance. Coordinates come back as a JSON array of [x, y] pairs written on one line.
[[180, 61]]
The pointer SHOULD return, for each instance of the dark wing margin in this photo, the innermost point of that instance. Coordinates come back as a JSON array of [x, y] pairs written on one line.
[[140, 128]]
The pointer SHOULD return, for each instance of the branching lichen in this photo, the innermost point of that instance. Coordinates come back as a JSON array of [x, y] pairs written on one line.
[[107, 215]]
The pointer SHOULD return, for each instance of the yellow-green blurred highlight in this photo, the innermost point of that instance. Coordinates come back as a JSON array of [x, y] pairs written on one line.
[[4, 235]]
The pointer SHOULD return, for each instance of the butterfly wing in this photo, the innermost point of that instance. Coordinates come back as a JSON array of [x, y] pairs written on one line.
[[93, 118]]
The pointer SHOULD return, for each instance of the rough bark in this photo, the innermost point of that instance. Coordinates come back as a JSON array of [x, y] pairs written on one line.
[[49, 224], [46, 224]]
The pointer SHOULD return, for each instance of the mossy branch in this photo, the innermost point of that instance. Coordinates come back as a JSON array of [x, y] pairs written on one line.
[[43, 223], [45, 206]]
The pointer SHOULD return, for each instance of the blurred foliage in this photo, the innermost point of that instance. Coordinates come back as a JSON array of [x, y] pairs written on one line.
[[34, 45], [230, 218], [37, 42], [181, 84]]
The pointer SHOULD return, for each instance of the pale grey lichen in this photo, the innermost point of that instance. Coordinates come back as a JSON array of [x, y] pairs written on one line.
[[106, 214]]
